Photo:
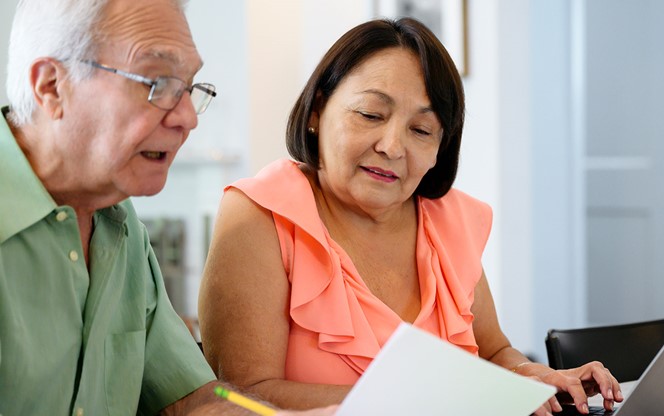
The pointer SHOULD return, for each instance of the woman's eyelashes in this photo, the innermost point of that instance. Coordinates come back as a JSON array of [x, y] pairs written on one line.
[[420, 131], [370, 115]]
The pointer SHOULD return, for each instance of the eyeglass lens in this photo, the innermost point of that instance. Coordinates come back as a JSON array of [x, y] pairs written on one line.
[[201, 96], [167, 91]]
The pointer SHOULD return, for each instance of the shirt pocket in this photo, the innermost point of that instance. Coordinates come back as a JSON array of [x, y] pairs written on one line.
[[124, 361]]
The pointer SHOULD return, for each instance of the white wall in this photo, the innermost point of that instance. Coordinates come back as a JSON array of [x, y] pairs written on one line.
[[219, 32], [558, 236], [274, 50], [497, 154]]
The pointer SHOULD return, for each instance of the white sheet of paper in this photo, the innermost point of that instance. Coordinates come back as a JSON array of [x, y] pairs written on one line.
[[417, 373]]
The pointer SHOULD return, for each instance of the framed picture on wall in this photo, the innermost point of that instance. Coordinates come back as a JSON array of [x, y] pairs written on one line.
[[446, 18]]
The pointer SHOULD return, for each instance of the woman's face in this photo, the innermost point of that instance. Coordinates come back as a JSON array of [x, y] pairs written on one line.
[[378, 135]]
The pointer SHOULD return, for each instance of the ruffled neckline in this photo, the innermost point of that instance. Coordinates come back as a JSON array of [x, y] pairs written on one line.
[[328, 297]]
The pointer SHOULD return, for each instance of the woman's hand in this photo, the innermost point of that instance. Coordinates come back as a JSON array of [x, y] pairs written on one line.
[[576, 385]]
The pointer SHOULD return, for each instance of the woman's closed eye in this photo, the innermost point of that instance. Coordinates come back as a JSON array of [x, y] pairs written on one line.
[[370, 116], [421, 131]]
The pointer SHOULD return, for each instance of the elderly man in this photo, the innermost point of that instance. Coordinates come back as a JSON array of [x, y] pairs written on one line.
[[101, 99]]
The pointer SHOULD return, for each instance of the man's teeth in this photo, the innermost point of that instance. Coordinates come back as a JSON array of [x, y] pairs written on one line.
[[154, 155]]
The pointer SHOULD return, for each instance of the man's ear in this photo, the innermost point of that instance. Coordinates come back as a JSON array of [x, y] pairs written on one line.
[[46, 76]]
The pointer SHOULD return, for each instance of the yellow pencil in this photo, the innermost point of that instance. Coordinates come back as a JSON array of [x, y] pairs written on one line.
[[245, 402]]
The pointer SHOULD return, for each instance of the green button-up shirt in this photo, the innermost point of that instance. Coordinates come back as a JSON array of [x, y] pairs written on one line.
[[103, 341]]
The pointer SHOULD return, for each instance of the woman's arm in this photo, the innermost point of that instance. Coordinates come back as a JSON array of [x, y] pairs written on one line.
[[244, 308], [495, 347]]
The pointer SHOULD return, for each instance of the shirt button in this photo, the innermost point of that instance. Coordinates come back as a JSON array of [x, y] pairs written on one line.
[[73, 255], [61, 216]]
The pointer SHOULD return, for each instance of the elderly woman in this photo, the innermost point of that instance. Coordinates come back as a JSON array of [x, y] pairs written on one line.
[[315, 262]]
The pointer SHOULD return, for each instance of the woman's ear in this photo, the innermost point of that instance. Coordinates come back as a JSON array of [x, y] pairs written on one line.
[[46, 76], [313, 121], [314, 117]]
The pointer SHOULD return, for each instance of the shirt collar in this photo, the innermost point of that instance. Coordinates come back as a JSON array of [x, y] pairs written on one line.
[[23, 198]]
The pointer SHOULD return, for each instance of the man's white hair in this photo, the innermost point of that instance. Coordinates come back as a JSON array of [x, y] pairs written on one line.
[[61, 29]]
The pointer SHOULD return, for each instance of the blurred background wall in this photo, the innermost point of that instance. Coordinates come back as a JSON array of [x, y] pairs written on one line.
[[563, 138]]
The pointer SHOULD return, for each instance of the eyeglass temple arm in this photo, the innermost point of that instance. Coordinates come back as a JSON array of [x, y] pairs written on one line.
[[135, 77], [203, 88]]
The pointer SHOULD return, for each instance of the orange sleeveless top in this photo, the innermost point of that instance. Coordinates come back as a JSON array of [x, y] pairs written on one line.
[[337, 324]]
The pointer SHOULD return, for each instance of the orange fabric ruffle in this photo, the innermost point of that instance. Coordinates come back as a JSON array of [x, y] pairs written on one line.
[[338, 326]]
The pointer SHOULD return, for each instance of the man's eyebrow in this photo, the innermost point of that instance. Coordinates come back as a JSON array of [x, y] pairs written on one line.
[[390, 101]]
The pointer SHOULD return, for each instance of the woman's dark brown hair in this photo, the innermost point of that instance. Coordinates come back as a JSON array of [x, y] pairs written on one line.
[[441, 78]]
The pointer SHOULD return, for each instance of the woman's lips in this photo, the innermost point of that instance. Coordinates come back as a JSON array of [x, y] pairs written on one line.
[[380, 174]]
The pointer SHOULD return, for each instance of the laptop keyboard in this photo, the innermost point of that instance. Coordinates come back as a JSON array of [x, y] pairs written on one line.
[[570, 410]]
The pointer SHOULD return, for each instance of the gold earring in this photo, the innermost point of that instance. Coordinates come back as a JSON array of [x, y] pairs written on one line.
[[311, 130]]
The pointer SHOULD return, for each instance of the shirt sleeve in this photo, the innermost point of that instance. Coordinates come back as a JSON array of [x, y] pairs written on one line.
[[174, 364]]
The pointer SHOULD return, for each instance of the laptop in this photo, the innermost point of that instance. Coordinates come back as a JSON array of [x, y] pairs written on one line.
[[646, 398]]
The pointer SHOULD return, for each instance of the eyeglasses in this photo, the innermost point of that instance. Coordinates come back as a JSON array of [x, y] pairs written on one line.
[[166, 92]]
